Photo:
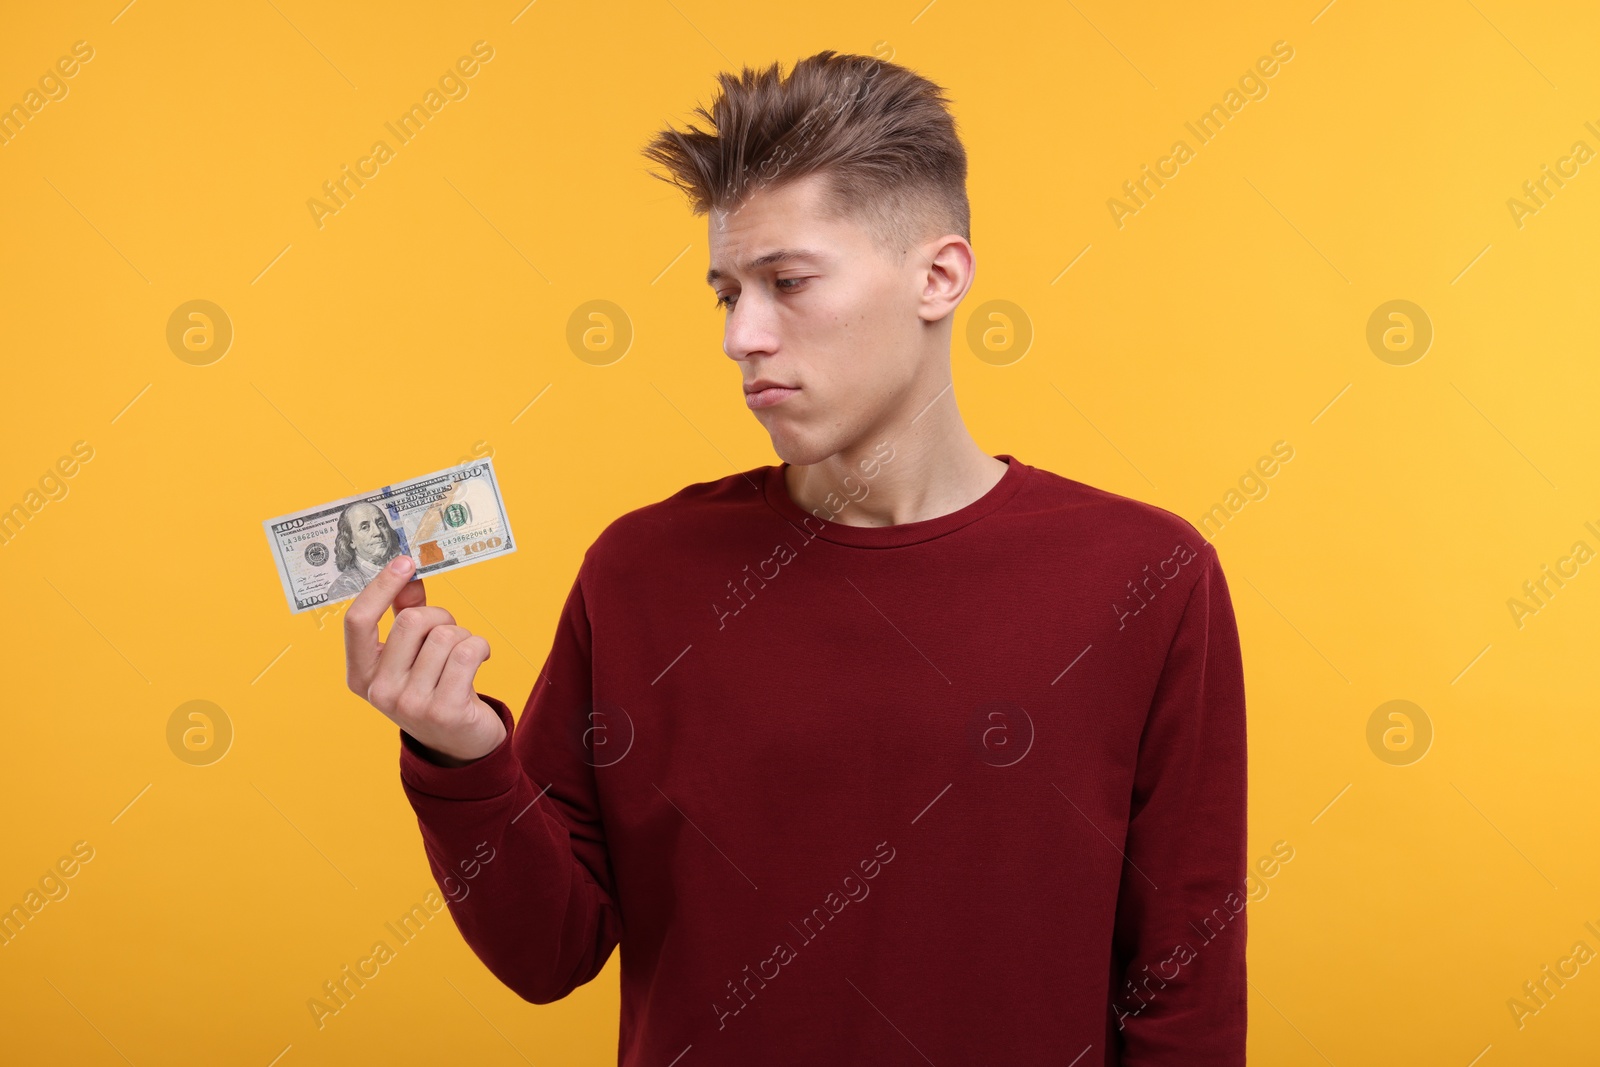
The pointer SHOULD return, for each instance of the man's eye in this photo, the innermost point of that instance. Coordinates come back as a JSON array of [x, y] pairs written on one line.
[[728, 300]]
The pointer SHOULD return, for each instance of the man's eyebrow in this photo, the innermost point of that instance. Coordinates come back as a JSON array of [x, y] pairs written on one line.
[[782, 255]]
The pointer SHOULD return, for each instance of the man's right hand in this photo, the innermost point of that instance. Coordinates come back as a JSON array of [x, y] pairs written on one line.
[[422, 676]]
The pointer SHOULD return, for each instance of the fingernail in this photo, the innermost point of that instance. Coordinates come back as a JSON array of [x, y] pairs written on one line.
[[401, 564]]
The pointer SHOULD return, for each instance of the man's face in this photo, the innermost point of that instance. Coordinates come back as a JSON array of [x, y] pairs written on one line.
[[841, 322], [369, 532]]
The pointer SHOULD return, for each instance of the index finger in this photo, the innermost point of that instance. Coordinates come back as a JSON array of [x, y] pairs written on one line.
[[361, 619]]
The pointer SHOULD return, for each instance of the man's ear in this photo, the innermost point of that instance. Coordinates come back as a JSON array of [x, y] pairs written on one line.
[[948, 275]]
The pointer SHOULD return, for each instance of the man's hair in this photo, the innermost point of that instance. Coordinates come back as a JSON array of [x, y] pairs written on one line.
[[881, 134]]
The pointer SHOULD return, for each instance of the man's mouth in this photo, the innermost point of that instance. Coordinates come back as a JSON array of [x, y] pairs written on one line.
[[764, 394], [766, 398]]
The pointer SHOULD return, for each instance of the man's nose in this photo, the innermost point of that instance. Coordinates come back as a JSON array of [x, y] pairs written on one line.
[[748, 330]]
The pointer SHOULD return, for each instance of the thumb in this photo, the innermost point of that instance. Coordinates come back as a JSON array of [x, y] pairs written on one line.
[[361, 618], [411, 595]]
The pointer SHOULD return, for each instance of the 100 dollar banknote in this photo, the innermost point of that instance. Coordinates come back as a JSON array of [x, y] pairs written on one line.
[[443, 521]]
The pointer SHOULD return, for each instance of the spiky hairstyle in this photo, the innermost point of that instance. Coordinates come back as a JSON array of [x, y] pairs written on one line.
[[882, 135]]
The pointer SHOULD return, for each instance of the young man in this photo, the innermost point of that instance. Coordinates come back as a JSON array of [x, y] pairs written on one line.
[[896, 752]]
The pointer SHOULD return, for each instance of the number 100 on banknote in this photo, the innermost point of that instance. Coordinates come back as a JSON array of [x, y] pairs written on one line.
[[443, 521]]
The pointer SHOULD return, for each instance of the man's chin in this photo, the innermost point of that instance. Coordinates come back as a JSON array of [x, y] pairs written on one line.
[[799, 451]]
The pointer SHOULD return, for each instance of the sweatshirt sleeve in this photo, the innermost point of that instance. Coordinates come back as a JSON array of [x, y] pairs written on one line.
[[515, 839], [1179, 989]]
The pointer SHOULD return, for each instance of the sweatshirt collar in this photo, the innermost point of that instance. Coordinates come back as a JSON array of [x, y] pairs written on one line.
[[776, 491]]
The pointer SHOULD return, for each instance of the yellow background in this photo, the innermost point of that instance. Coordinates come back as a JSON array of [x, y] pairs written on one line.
[[413, 327]]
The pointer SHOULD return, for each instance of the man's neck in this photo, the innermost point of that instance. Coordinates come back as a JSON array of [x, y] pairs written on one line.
[[931, 471]]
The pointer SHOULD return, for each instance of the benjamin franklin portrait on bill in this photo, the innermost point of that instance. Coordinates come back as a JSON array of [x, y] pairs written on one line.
[[364, 544]]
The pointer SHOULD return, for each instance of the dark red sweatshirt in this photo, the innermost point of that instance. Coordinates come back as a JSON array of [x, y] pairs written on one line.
[[960, 791]]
